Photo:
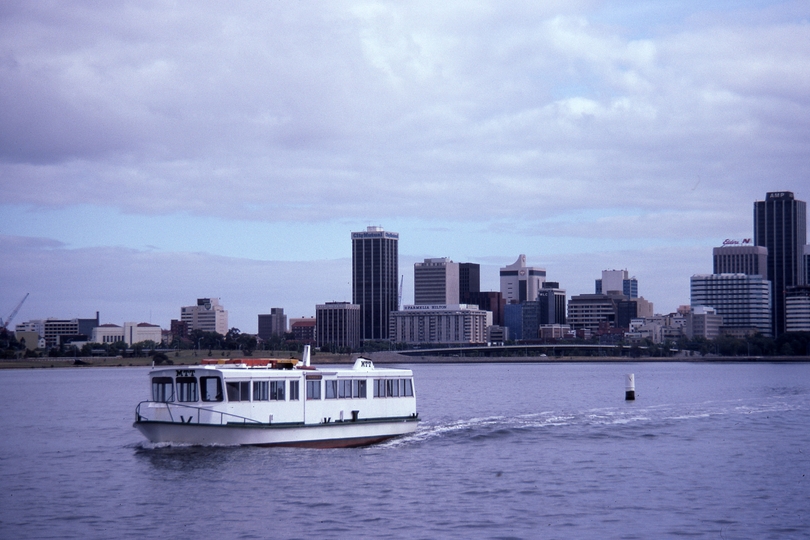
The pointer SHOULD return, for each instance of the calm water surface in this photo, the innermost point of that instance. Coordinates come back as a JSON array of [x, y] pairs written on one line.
[[509, 451]]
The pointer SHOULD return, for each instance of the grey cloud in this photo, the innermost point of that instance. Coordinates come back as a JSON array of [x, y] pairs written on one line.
[[276, 111]]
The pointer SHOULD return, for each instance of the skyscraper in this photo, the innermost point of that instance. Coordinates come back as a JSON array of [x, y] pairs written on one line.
[[780, 224], [469, 279], [521, 283], [375, 278], [436, 281]]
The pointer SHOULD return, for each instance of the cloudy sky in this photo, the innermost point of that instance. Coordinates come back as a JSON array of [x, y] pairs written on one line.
[[155, 152]]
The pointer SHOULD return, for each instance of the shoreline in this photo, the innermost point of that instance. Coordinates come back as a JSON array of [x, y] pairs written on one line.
[[392, 358]]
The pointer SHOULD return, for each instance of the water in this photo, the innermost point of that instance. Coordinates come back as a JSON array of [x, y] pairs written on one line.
[[510, 451]]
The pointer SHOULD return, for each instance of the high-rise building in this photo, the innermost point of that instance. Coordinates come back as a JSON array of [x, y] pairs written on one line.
[[436, 281], [617, 281], [469, 279], [744, 301], [207, 316], [521, 283], [272, 324], [375, 279], [552, 303], [780, 224], [513, 320], [488, 301], [740, 257], [338, 325]]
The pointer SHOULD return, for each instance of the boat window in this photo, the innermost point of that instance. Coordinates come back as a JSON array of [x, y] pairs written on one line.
[[393, 387], [211, 388], [313, 389], [277, 390], [238, 391], [293, 390], [162, 389], [260, 390], [186, 389], [331, 389], [359, 388]]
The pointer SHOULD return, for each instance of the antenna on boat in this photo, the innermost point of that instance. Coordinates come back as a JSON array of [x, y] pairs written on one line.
[[305, 358]]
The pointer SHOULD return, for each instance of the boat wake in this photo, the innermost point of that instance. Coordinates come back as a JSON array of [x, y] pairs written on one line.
[[594, 421]]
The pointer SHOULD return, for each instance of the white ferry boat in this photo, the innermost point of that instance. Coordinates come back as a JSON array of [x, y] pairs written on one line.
[[278, 403]]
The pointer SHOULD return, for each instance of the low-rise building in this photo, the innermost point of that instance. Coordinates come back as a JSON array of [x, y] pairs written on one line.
[[59, 331], [703, 321], [131, 333], [453, 324], [338, 325], [797, 309], [303, 330]]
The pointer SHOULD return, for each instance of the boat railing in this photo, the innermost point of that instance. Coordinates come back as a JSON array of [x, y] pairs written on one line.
[[224, 417]]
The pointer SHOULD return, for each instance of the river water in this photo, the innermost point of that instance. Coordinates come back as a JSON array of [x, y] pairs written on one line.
[[707, 450]]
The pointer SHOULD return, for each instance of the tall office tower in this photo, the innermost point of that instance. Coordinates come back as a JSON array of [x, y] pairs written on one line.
[[740, 259], [469, 279], [521, 283], [435, 282], [375, 279], [617, 281], [273, 323], [780, 224], [743, 300], [207, 316]]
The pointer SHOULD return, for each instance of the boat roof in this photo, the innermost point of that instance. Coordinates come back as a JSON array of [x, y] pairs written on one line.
[[240, 367]]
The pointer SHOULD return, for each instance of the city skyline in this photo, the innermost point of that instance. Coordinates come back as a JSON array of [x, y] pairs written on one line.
[[155, 154]]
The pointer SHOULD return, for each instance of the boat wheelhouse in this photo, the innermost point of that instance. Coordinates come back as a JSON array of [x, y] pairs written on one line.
[[277, 403]]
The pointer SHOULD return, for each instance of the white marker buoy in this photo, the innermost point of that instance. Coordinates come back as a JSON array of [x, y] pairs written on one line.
[[630, 387]]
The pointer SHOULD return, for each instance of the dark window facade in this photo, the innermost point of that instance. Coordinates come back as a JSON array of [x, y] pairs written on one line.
[[780, 224], [375, 274]]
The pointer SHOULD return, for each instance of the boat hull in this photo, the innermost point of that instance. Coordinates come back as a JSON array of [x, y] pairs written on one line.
[[330, 435]]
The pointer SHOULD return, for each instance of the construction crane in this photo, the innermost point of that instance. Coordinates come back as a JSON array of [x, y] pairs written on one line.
[[13, 313]]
